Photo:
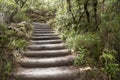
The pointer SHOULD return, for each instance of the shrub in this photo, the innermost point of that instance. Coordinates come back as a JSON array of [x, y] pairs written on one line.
[[20, 16], [87, 45], [81, 58], [87, 41], [10, 41], [109, 63]]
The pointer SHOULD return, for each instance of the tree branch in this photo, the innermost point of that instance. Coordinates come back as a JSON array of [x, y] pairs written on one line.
[[86, 10], [70, 11]]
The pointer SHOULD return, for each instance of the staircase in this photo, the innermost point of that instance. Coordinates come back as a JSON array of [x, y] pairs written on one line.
[[46, 58]]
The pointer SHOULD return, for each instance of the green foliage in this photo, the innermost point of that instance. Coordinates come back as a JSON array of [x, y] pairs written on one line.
[[81, 58], [10, 40], [88, 41], [91, 26], [108, 55], [13, 37], [112, 69], [110, 65], [20, 16], [20, 43], [13, 9], [6, 64]]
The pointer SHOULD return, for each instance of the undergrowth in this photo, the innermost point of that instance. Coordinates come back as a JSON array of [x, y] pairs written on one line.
[[12, 38]]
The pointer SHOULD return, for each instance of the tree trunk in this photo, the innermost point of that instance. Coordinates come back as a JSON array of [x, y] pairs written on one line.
[[22, 3], [95, 3], [13, 14], [86, 10]]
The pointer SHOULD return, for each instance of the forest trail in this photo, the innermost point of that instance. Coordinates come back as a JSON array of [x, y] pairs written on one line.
[[46, 57]]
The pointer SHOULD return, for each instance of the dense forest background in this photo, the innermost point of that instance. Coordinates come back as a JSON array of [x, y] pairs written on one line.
[[90, 28]]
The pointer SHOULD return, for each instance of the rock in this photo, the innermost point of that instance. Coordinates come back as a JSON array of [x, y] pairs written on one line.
[[92, 74], [21, 24]]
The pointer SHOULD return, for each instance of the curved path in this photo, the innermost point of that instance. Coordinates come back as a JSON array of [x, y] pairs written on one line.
[[46, 57]]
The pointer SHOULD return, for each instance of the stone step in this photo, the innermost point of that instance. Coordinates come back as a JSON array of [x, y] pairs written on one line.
[[47, 47], [57, 73], [44, 37], [47, 34], [42, 28], [40, 32], [36, 24], [46, 62], [48, 53], [46, 57], [46, 41], [43, 25]]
